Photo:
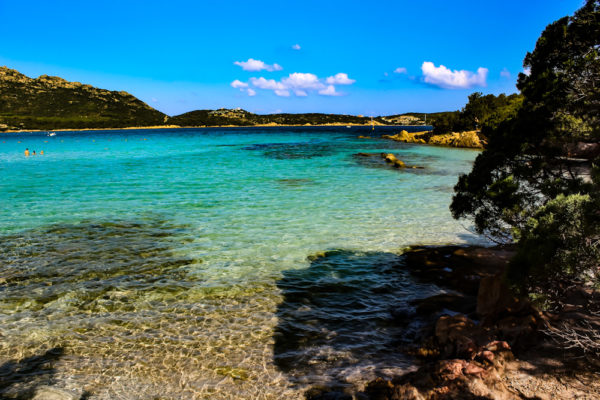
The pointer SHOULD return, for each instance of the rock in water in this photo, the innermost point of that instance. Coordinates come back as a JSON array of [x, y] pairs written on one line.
[[391, 159], [53, 393]]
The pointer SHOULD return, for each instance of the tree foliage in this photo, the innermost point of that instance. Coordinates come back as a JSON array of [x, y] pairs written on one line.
[[481, 112], [560, 244], [534, 179]]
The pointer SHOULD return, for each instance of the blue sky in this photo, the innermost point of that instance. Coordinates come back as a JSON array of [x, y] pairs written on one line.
[[318, 56]]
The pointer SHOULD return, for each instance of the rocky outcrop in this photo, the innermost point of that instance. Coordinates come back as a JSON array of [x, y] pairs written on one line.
[[482, 341], [456, 267], [444, 302], [406, 137], [467, 139], [456, 378], [585, 150]]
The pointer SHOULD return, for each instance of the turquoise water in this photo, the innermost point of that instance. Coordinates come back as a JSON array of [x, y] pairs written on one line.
[[213, 263]]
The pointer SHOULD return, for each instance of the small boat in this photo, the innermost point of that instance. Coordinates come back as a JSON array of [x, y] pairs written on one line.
[[51, 134], [348, 126]]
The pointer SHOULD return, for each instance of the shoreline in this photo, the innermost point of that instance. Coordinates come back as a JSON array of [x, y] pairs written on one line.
[[158, 127], [480, 341]]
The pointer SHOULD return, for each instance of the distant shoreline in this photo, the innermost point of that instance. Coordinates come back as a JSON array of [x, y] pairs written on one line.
[[197, 127]]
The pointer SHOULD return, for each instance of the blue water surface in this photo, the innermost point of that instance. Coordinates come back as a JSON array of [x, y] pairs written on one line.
[[172, 258]]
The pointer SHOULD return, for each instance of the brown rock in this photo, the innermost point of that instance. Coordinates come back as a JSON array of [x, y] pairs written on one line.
[[366, 154], [446, 301], [455, 336], [449, 328], [495, 298], [517, 328], [391, 159], [407, 392]]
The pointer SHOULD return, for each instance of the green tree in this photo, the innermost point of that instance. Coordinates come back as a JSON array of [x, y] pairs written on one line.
[[481, 112], [527, 183]]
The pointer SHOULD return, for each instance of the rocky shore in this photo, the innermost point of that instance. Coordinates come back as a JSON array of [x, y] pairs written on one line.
[[467, 139], [482, 342]]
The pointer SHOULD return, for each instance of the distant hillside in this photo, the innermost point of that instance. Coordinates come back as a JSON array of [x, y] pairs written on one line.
[[239, 117], [50, 102], [413, 118]]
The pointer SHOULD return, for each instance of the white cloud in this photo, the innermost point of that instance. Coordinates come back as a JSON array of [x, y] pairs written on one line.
[[300, 80], [505, 73], [296, 47], [527, 71], [329, 91], [301, 84], [340, 79], [448, 79], [257, 65], [237, 84], [269, 84], [400, 70]]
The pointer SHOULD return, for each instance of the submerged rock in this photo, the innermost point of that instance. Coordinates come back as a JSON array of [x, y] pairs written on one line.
[[366, 154], [395, 162], [382, 160], [235, 373], [391, 159], [53, 393]]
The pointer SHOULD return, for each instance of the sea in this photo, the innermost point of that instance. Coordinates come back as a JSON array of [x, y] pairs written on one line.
[[214, 263]]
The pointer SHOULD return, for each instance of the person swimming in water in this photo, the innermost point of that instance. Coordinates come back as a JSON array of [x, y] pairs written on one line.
[[41, 152], [27, 152], [33, 153]]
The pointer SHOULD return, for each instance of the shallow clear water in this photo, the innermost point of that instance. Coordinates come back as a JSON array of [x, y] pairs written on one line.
[[212, 263]]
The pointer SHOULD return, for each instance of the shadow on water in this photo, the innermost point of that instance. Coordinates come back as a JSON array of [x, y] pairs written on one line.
[[293, 151], [95, 266], [337, 317], [20, 379], [295, 182]]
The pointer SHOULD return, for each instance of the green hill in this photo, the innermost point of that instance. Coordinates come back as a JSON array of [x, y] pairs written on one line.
[[239, 117], [50, 102]]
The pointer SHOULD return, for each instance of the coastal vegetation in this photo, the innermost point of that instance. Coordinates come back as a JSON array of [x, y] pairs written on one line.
[[537, 182], [482, 112]]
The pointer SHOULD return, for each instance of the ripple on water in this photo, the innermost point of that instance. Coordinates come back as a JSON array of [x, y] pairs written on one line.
[[128, 318], [336, 317], [290, 151], [218, 301]]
